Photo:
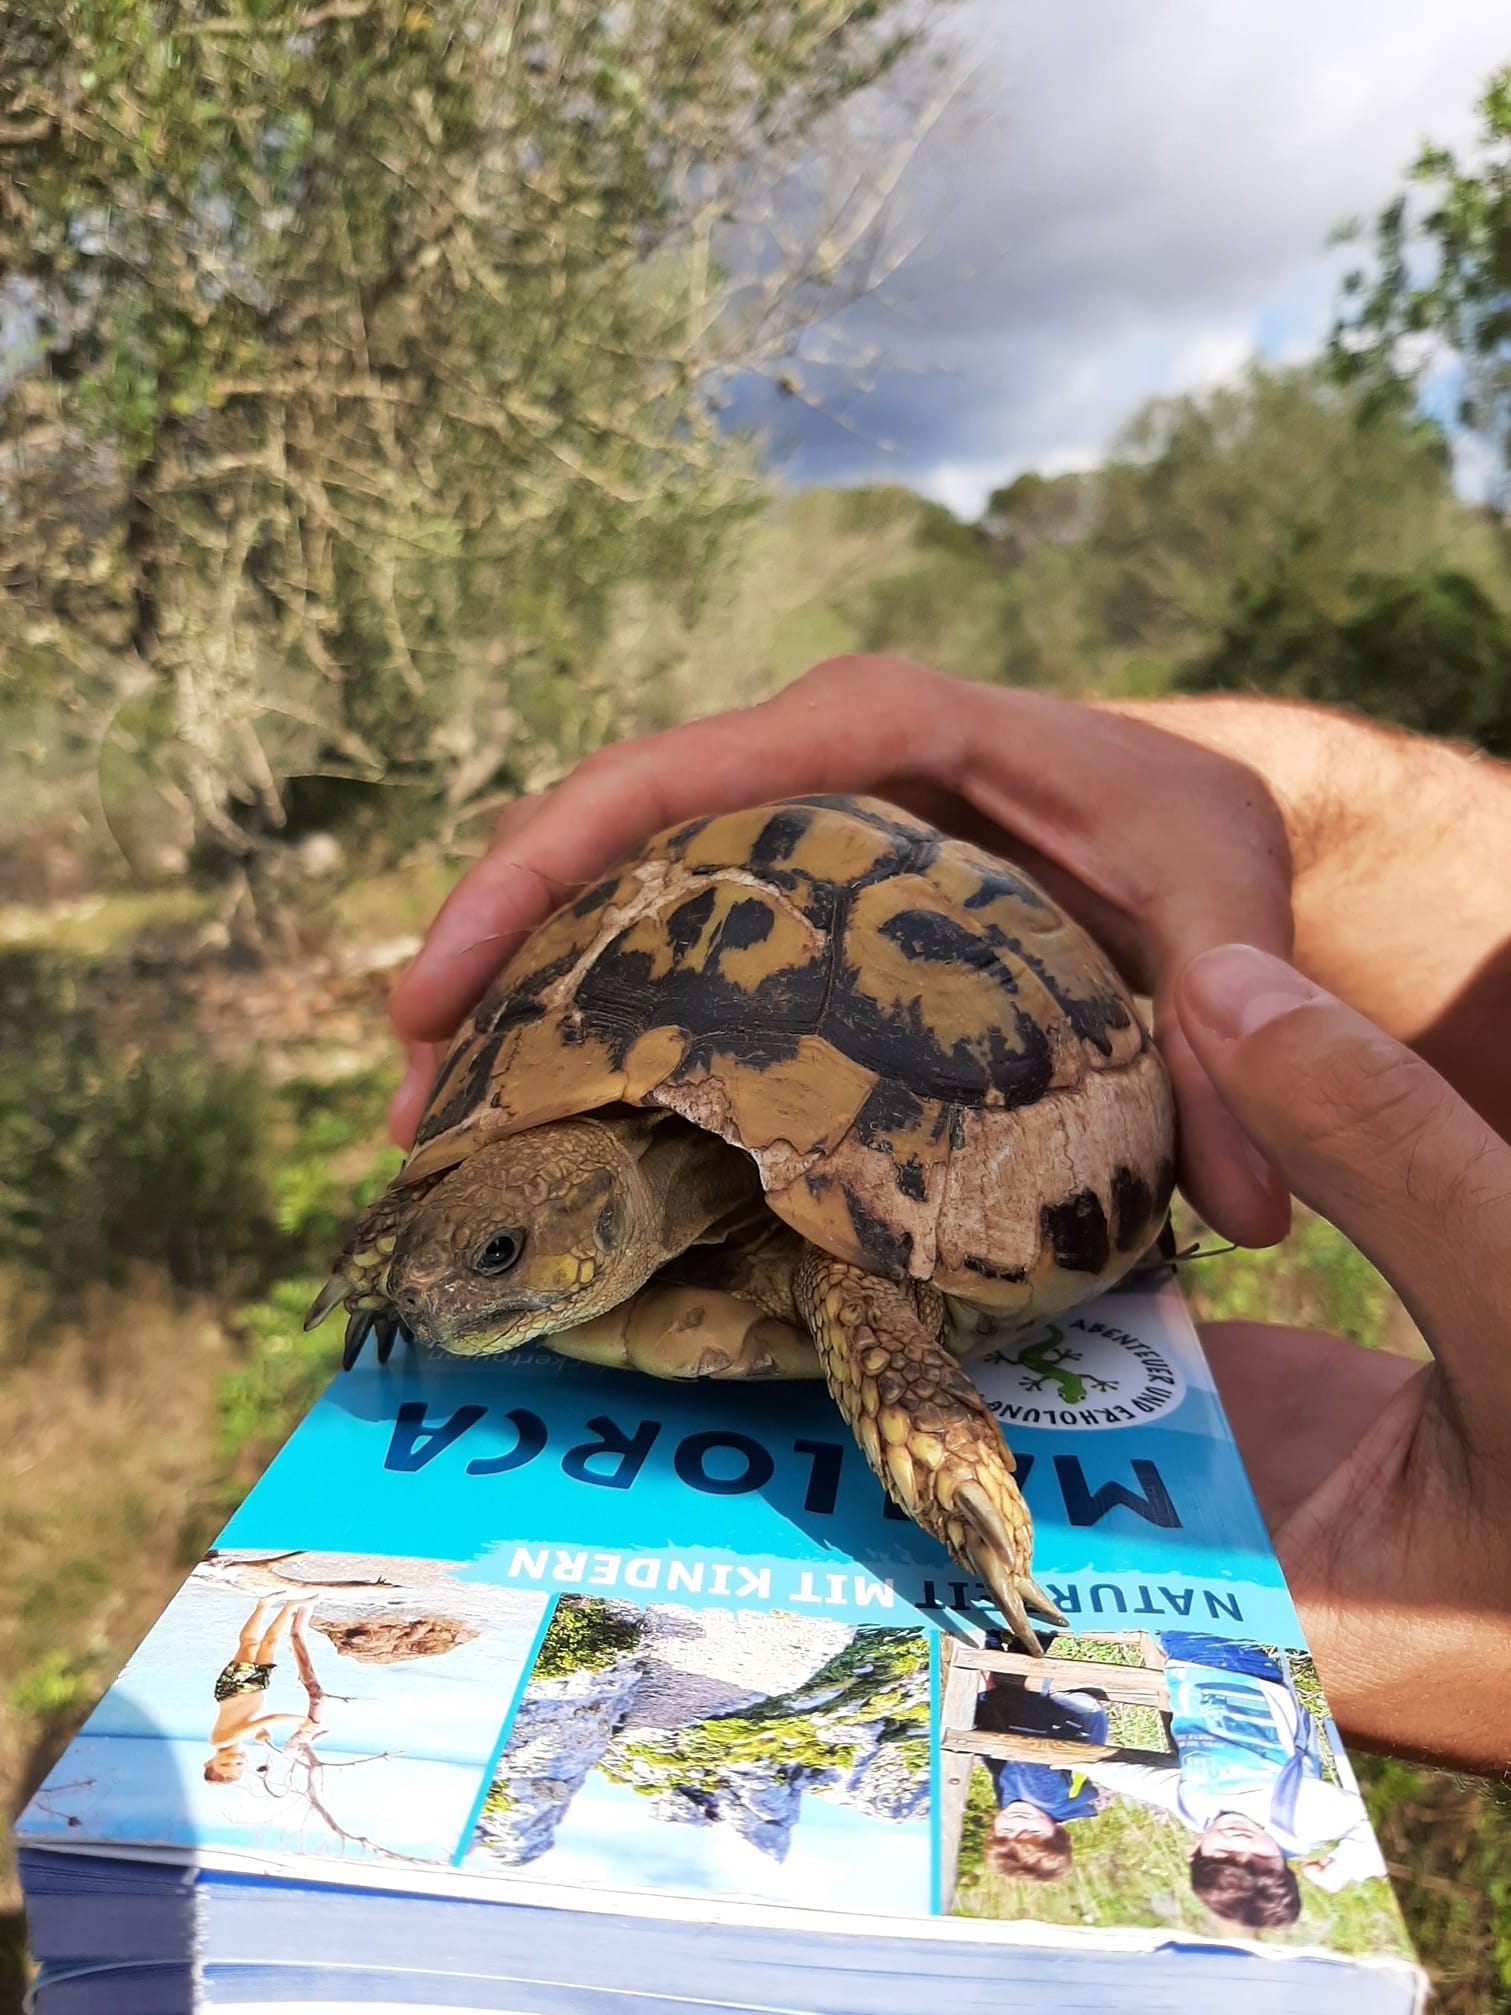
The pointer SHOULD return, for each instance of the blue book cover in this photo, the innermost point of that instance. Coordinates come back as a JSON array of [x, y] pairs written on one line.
[[537, 1633]]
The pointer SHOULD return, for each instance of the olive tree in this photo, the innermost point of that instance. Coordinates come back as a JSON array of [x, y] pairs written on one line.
[[356, 349]]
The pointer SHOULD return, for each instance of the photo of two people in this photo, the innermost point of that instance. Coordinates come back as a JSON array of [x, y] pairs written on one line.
[[1177, 1777]]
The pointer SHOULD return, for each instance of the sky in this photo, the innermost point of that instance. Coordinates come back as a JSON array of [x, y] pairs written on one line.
[[839, 1858], [1123, 200]]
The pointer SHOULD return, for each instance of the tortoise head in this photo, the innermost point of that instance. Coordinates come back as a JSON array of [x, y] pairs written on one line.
[[525, 1237]]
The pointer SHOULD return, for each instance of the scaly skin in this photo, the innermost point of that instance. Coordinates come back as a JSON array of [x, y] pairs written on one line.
[[602, 1205], [924, 1428], [360, 1284]]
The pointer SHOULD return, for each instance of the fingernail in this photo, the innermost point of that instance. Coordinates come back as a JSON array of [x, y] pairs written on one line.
[[1235, 989]]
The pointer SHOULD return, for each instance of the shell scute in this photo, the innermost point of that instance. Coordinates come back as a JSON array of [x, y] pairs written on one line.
[[930, 1003], [936, 1072]]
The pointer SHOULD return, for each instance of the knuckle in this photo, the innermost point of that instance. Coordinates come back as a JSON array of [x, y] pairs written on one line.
[[1373, 1086], [876, 675], [831, 679], [604, 771]]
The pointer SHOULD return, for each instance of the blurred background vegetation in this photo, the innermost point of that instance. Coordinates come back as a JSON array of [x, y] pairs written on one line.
[[364, 461]]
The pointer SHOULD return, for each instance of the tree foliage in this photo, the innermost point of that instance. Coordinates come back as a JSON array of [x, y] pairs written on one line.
[[1233, 538], [1262, 503], [1207, 493], [360, 347], [112, 1159], [1430, 651], [585, 1636], [1290, 535], [1442, 276]]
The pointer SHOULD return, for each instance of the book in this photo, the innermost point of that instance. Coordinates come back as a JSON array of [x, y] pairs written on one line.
[[535, 1686]]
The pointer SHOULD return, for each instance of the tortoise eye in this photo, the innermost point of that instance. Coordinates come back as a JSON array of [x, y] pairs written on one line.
[[500, 1253]]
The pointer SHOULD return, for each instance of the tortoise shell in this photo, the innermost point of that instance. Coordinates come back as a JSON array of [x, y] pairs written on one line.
[[937, 1073]]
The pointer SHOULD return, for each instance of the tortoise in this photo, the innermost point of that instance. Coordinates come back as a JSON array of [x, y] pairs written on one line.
[[867, 1079]]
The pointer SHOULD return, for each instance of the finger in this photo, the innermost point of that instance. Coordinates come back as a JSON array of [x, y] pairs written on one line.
[[1172, 842], [507, 827], [1225, 1176], [1161, 849], [1227, 1179], [816, 735], [513, 819], [1369, 1135], [422, 1062]]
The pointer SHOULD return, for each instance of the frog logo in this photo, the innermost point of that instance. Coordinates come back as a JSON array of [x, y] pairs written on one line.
[[1082, 1374]]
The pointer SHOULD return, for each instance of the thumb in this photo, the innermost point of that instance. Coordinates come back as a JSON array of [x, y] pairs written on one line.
[[1370, 1136]]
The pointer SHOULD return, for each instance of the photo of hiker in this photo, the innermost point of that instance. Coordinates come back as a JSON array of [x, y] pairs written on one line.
[[1029, 1836], [1181, 1781], [1247, 1779], [742, 1753], [241, 1690], [345, 1705]]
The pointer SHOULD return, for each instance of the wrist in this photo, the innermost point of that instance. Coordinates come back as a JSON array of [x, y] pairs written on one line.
[[1316, 763], [1400, 845]]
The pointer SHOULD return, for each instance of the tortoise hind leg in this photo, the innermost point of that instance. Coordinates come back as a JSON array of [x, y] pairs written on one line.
[[923, 1426]]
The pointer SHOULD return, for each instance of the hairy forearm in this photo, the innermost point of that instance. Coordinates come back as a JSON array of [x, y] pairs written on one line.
[[1401, 855]]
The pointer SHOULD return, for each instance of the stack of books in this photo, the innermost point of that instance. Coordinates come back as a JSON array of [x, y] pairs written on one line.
[[536, 1688]]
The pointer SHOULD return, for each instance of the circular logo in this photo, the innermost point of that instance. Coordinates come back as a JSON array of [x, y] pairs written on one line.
[[1079, 1373]]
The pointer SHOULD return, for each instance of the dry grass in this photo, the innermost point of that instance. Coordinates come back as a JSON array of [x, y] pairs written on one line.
[[106, 1498], [1447, 1844]]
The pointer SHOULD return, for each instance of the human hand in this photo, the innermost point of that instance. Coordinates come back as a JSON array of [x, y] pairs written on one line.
[[1160, 847], [1386, 1482]]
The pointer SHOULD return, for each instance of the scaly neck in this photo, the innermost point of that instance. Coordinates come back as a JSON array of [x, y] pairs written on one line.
[[694, 1183]]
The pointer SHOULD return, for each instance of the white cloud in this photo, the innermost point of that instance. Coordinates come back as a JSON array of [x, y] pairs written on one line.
[[1477, 471], [1216, 358], [963, 487], [1129, 200]]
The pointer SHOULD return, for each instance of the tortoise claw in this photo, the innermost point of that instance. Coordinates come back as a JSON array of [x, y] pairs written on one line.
[[359, 1323], [333, 1291], [1014, 1614], [1036, 1599], [992, 1554], [385, 1329]]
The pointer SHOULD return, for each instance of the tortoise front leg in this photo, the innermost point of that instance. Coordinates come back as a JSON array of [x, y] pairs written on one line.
[[359, 1283], [925, 1429]]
